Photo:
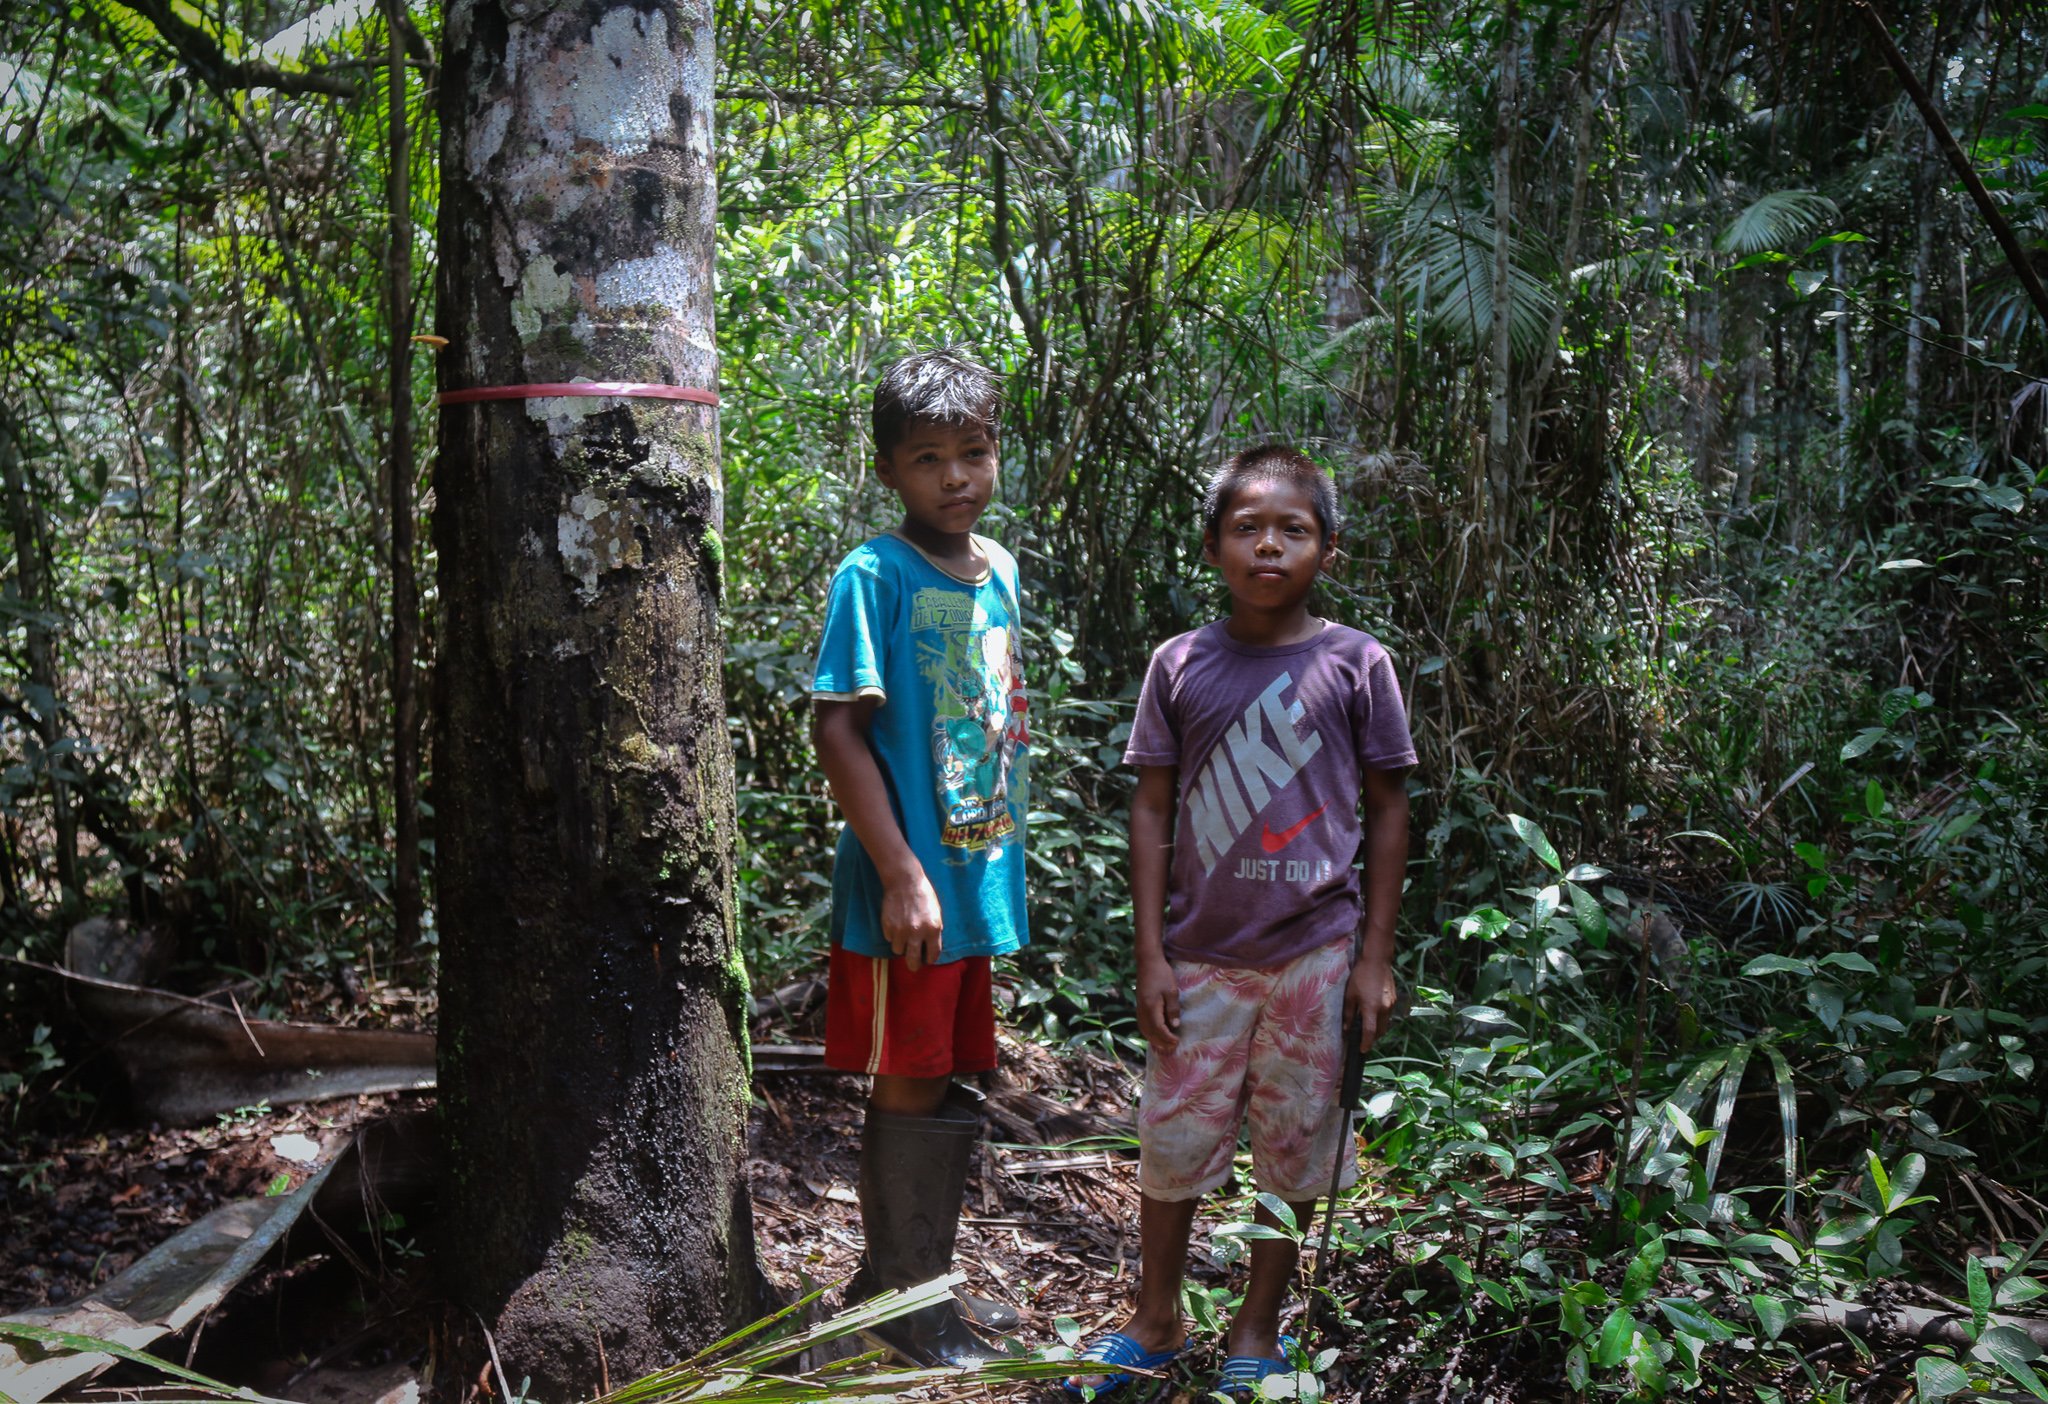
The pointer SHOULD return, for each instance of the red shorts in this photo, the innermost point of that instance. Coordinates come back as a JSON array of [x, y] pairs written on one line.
[[883, 1017]]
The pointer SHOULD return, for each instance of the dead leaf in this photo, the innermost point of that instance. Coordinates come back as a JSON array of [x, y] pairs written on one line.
[[836, 1192]]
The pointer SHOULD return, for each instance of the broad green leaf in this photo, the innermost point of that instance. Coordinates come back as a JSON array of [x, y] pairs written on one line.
[[2018, 1291], [1690, 1318], [1576, 1372], [1530, 834], [1643, 1363], [1641, 1278], [1773, 1314], [1488, 923], [2013, 1350], [1777, 964], [1844, 1230], [1252, 1233], [1687, 1128], [1849, 960], [1827, 1002], [1936, 1378], [1960, 825], [1616, 1332], [1880, 1182], [1280, 1209], [1765, 1243], [1590, 917], [1906, 1177], [1862, 741]]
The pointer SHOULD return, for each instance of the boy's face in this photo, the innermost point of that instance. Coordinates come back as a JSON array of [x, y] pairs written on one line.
[[944, 474], [1269, 544]]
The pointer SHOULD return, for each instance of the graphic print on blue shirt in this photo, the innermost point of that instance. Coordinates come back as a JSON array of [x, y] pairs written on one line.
[[977, 713], [951, 737]]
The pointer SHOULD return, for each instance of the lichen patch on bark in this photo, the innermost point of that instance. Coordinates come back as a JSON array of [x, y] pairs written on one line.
[[596, 536]]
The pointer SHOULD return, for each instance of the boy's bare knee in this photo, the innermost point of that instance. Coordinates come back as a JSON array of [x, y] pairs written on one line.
[[896, 1095]]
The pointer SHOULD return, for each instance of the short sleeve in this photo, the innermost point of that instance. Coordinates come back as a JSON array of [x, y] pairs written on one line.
[[849, 650], [1154, 739], [1382, 736]]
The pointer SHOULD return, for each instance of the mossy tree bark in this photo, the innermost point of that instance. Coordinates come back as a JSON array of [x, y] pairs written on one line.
[[592, 1040]]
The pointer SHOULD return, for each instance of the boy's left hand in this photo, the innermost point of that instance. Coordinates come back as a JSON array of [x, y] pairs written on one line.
[[1369, 999]]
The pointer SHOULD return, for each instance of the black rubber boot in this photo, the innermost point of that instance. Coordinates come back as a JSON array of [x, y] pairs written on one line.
[[913, 1179]]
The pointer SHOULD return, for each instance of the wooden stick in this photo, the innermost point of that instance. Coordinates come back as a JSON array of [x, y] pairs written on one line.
[[2000, 230]]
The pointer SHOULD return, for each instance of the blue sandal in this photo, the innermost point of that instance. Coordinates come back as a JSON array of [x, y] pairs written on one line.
[[1120, 1352], [1241, 1374]]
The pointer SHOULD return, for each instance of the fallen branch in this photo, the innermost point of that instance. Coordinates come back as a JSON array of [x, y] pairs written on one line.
[[1920, 1325], [203, 55], [2008, 242]]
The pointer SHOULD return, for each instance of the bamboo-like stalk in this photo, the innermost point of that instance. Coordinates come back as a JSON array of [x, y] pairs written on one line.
[[405, 756]]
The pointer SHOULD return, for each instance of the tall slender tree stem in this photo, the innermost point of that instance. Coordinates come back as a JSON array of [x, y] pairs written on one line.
[[405, 756]]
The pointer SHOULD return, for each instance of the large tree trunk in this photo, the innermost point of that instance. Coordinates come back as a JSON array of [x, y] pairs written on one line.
[[593, 1078]]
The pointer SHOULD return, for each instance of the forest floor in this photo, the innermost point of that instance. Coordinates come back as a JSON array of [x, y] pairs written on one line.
[[1050, 1227]]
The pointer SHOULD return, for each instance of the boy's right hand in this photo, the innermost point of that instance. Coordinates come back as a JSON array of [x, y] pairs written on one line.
[[912, 921], [1158, 1004]]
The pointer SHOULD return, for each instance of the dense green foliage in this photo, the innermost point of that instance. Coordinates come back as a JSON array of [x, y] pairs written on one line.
[[1691, 434]]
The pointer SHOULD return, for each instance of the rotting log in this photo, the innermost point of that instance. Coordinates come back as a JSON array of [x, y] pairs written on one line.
[[593, 1004], [1917, 1325]]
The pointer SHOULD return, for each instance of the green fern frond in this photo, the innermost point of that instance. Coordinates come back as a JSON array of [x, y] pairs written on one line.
[[1447, 276], [1774, 220]]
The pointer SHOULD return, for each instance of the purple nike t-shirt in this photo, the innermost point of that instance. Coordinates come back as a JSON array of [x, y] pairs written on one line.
[[1272, 743]]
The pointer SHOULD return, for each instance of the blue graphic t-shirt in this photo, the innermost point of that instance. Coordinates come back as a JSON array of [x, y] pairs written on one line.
[[950, 737]]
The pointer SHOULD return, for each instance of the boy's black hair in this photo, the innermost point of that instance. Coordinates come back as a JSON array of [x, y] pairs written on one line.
[[945, 385], [1275, 463]]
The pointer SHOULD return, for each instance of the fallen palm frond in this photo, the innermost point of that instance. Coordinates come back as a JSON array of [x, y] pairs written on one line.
[[737, 1369]]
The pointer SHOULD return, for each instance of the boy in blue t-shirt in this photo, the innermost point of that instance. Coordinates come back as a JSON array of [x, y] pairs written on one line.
[[920, 727]]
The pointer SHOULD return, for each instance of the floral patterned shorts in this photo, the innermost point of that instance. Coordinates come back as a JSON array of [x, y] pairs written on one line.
[[1268, 1044]]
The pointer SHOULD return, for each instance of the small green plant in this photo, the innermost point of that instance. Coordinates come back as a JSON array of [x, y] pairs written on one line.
[[242, 1116]]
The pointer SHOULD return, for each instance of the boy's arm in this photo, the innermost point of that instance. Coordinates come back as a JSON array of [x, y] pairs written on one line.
[[1151, 852], [911, 918], [1370, 996]]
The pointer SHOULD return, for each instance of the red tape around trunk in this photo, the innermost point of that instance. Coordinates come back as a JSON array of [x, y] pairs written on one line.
[[585, 389]]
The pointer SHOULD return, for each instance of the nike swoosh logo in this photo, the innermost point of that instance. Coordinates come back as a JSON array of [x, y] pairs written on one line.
[[1273, 842]]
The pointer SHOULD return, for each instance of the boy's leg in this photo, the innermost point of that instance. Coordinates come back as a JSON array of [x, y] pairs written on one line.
[[1255, 1329], [1188, 1117], [1164, 1226], [1298, 1132], [897, 1095], [912, 1030]]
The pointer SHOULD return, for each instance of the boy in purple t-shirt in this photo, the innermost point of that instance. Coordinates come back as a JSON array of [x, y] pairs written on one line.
[[1271, 748]]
